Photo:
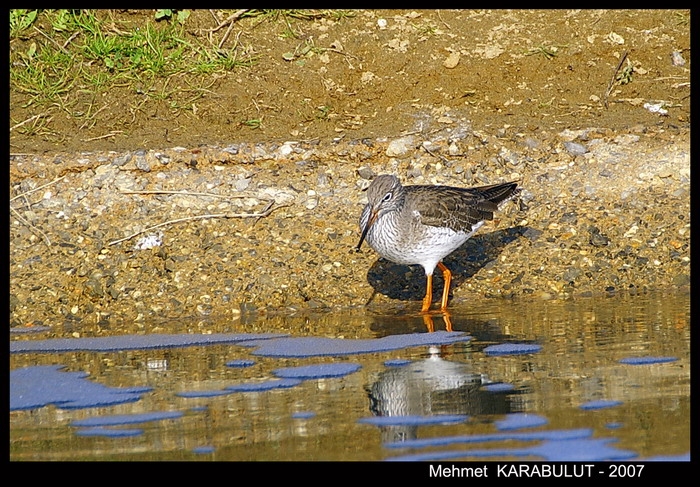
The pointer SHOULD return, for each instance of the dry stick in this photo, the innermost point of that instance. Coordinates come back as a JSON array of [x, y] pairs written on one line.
[[37, 188], [664, 78], [228, 32], [332, 49], [612, 81], [190, 193], [31, 227], [70, 39], [230, 18], [105, 136], [93, 115], [50, 39], [22, 220], [440, 156], [440, 17], [264, 213], [216, 19], [30, 119]]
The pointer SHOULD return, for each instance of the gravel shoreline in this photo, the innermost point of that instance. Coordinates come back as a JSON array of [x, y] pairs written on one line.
[[602, 211]]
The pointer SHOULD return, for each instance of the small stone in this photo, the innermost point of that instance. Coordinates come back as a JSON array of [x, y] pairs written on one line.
[[509, 156], [164, 159], [599, 240], [121, 160], [531, 143], [681, 280], [400, 147], [575, 149], [452, 60], [632, 231], [242, 184], [285, 149], [656, 108], [625, 139], [365, 172], [677, 59], [571, 274], [142, 163], [312, 200], [93, 288], [204, 309]]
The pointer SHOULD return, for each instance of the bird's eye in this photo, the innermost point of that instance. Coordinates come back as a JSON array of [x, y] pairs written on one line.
[[387, 196]]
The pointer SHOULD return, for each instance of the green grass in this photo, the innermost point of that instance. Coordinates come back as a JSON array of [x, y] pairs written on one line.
[[61, 58]]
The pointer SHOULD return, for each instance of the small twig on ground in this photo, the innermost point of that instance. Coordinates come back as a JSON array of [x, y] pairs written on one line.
[[70, 39], [440, 156], [30, 119], [105, 136], [190, 193], [612, 81], [229, 19], [338, 51], [31, 227], [264, 213], [91, 117], [50, 39], [441, 20], [37, 188]]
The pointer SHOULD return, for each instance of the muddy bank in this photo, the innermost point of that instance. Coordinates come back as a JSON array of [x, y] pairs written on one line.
[[601, 211], [588, 109]]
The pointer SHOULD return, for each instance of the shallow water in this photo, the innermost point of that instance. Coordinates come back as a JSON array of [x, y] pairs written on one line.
[[592, 379]]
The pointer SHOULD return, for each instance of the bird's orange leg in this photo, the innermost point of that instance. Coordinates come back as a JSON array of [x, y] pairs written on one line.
[[447, 276], [428, 294]]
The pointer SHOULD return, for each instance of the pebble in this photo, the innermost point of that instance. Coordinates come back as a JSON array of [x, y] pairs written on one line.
[[509, 156], [531, 143], [401, 147], [626, 139], [575, 149], [677, 59], [142, 163], [365, 172], [452, 60], [312, 199], [164, 159], [285, 150], [242, 184], [597, 239], [93, 288], [122, 159]]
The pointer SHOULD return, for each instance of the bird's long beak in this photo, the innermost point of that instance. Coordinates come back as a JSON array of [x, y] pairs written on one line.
[[370, 222]]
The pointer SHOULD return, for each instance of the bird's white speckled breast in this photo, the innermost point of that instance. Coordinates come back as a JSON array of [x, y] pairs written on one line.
[[414, 243]]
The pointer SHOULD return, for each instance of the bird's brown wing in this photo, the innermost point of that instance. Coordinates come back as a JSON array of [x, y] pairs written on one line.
[[459, 208]]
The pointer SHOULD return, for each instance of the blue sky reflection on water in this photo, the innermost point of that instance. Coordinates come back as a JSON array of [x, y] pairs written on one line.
[[413, 396]]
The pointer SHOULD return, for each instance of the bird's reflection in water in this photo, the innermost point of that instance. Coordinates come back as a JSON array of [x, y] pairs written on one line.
[[429, 387], [430, 325]]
